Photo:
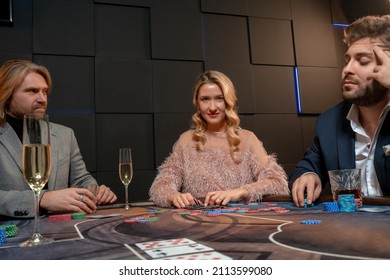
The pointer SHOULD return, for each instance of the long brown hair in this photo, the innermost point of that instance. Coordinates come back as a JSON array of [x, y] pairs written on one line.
[[12, 75]]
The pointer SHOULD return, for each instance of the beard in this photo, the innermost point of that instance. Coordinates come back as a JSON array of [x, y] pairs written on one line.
[[367, 96]]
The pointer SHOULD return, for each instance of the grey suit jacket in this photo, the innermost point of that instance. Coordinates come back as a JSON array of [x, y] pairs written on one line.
[[67, 169]]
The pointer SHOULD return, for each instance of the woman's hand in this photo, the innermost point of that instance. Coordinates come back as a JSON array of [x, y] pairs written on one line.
[[223, 197]]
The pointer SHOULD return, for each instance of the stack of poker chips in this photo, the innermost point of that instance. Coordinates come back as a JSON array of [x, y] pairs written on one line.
[[10, 230], [331, 206], [3, 235], [347, 202]]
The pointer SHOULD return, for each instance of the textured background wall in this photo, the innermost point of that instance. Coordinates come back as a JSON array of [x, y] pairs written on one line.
[[123, 70]]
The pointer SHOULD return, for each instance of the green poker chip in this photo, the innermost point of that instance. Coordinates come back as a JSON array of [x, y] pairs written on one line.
[[78, 215], [10, 230]]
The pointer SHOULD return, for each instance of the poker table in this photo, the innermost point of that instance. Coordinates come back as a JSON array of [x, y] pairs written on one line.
[[272, 229]]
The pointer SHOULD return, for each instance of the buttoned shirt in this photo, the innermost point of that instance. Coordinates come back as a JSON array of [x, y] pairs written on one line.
[[365, 150]]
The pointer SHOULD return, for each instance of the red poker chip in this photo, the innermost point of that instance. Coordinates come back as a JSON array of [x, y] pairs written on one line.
[[131, 221], [282, 211], [61, 217]]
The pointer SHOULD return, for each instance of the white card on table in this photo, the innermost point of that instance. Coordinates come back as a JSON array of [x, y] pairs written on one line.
[[213, 255], [164, 243], [178, 250]]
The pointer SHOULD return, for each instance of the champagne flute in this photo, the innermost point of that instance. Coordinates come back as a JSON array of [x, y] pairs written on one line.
[[125, 171], [36, 165]]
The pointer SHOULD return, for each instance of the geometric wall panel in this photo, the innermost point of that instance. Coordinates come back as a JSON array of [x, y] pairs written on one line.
[[314, 44], [126, 36], [274, 88], [320, 88], [271, 41]]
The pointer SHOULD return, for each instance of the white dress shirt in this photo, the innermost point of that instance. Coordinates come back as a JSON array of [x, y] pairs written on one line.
[[365, 150]]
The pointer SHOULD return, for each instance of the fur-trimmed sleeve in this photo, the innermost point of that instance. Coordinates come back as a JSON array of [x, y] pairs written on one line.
[[269, 177], [169, 179]]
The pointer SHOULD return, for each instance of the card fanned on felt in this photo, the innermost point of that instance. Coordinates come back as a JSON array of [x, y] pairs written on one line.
[[179, 249]]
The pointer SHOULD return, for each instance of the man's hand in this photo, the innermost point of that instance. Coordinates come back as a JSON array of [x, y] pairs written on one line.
[[381, 72], [308, 183]]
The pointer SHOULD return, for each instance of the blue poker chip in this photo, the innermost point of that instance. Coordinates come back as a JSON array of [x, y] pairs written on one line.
[[310, 222], [331, 206], [3, 235], [347, 202]]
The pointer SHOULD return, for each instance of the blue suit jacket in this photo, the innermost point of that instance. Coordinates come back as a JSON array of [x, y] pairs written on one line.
[[67, 169], [334, 148]]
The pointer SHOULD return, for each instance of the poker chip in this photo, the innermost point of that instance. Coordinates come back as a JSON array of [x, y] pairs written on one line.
[[78, 215], [10, 230], [331, 206], [3, 235], [347, 202], [213, 213], [308, 205], [60, 217], [130, 221], [282, 211], [310, 222]]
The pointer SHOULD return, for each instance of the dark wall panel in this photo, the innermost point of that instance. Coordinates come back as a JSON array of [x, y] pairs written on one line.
[[279, 135], [173, 85], [320, 49], [114, 131], [63, 27], [176, 34], [73, 83], [168, 127], [176, 4], [319, 87], [126, 36], [274, 83], [279, 9], [271, 41], [308, 126], [234, 7], [123, 85], [16, 40], [311, 11], [141, 3], [226, 39]]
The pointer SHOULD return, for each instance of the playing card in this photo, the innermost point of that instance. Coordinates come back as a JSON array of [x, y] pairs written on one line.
[[177, 250], [213, 255], [164, 243]]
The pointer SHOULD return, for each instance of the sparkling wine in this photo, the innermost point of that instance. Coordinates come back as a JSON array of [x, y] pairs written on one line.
[[126, 173], [36, 165]]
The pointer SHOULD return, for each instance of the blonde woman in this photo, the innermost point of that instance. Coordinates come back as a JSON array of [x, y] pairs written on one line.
[[216, 159]]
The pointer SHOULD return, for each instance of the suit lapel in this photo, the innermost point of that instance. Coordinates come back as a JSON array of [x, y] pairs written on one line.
[[54, 148], [11, 142], [345, 142], [382, 162]]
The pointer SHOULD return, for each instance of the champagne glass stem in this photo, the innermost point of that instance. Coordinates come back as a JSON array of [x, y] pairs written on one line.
[[127, 198], [37, 228]]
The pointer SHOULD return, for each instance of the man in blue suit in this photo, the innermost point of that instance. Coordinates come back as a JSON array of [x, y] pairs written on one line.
[[24, 88], [356, 132]]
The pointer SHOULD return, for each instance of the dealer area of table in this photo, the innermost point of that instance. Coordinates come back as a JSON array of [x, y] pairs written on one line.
[[113, 233]]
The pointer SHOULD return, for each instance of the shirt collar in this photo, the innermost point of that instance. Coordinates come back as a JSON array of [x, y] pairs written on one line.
[[353, 113]]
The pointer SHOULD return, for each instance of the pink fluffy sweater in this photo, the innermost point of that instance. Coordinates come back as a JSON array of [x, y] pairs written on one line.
[[213, 168]]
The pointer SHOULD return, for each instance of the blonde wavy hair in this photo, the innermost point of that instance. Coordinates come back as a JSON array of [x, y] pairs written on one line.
[[12, 75], [232, 119]]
